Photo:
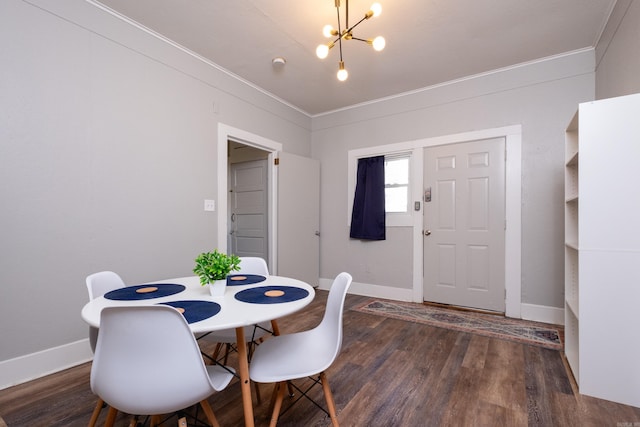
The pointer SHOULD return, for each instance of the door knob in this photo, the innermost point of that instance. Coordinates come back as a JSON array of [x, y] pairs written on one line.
[[427, 232]]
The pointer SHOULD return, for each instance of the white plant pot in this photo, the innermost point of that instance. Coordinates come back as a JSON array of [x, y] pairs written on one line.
[[218, 287]]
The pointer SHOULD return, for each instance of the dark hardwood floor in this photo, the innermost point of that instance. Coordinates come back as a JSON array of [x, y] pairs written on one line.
[[390, 373]]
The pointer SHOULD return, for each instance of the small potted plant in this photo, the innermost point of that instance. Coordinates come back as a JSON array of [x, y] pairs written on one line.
[[213, 269]]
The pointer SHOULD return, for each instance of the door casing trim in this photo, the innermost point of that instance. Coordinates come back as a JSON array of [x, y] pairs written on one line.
[[226, 133], [513, 211]]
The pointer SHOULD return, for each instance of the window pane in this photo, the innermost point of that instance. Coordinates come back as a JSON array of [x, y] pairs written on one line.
[[396, 182], [395, 199], [396, 171]]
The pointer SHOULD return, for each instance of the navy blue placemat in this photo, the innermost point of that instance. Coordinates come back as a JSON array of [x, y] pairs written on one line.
[[195, 311], [129, 293], [257, 295], [244, 279]]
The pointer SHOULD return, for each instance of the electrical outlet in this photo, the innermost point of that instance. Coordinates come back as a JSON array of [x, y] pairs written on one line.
[[209, 205]]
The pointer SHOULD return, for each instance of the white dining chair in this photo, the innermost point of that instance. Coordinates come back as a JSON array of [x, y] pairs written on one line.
[[148, 362], [99, 284], [288, 357]]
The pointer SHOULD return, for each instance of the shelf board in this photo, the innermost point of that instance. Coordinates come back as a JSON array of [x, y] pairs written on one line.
[[573, 307], [572, 245], [572, 199]]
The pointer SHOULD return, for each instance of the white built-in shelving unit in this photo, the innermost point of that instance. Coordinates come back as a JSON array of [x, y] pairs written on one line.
[[602, 248]]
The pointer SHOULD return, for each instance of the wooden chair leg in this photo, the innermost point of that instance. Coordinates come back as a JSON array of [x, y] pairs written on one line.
[[155, 420], [278, 404], [111, 417], [216, 352], [226, 353], [329, 398], [96, 412], [133, 422], [274, 396], [209, 413], [258, 398], [292, 392], [182, 422]]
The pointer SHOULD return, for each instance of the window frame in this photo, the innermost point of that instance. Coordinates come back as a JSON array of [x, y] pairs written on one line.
[[393, 219]]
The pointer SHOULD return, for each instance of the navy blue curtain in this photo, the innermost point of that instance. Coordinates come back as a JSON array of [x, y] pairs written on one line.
[[368, 217]]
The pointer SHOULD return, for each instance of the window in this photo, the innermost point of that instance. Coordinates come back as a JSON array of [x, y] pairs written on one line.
[[401, 163], [396, 183]]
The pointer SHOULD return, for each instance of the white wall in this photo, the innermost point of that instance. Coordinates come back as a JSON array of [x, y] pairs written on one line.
[[541, 96], [107, 151], [618, 52]]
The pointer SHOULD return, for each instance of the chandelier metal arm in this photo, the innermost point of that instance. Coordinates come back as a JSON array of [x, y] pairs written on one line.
[[354, 26], [339, 39]]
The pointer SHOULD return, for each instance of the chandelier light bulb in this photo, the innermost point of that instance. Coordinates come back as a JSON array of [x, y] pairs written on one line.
[[379, 43], [328, 31], [322, 51], [342, 73], [376, 8]]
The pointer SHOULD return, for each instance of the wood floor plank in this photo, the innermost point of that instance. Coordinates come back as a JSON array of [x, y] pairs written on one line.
[[503, 375]]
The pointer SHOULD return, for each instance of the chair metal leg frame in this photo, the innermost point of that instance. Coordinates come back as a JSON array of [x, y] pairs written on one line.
[[279, 391], [157, 420]]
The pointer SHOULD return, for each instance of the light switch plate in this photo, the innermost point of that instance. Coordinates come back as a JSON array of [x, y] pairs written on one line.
[[209, 205]]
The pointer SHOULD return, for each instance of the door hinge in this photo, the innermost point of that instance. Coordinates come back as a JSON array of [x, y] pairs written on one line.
[[276, 161]]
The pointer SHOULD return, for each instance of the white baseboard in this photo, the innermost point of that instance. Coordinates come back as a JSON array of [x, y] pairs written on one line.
[[35, 365], [543, 313], [535, 313], [375, 291]]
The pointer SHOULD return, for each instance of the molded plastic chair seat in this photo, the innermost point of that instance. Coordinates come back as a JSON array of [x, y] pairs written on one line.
[[303, 354], [148, 362]]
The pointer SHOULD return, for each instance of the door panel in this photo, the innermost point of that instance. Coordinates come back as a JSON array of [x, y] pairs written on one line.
[[248, 209], [299, 218], [464, 248]]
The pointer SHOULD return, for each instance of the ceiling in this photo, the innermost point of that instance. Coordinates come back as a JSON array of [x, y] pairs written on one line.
[[428, 42]]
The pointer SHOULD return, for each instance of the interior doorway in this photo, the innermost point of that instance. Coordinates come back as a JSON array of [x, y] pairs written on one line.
[[248, 201], [271, 148]]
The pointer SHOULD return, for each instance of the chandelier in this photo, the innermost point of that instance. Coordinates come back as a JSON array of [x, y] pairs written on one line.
[[346, 33]]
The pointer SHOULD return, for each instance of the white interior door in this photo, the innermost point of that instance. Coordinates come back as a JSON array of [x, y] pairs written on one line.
[[299, 218], [248, 202], [464, 224]]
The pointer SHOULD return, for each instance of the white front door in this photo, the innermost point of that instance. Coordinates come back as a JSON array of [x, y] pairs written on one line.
[[299, 218], [464, 223], [248, 199]]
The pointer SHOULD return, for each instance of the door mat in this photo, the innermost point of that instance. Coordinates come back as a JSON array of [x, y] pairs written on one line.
[[489, 325]]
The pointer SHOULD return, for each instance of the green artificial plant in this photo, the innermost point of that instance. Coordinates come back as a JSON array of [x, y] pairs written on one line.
[[212, 266]]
